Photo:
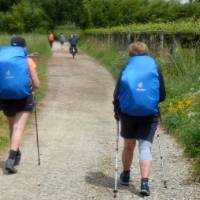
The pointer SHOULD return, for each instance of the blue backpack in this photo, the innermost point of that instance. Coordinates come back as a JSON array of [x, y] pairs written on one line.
[[62, 38], [14, 73], [74, 41], [139, 87]]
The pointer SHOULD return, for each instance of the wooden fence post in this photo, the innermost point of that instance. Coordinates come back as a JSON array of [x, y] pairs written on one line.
[[128, 38], [162, 45], [175, 45]]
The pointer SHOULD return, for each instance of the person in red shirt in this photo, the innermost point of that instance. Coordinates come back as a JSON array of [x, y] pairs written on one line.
[[51, 39]]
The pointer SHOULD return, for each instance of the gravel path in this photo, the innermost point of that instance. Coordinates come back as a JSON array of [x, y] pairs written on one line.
[[77, 138]]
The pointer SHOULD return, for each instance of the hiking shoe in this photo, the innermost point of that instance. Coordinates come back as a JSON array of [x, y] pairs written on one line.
[[124, 178], [9, 166], [145, 187], [17, 158]]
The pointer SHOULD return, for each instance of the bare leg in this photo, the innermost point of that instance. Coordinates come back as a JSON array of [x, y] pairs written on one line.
[[145, 166], [20, 121], [10, 124], [145, 154], [127, 154]]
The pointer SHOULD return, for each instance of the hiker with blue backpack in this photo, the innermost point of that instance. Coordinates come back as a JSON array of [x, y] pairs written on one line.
[[62, 39], [139, 90], [18, 82]]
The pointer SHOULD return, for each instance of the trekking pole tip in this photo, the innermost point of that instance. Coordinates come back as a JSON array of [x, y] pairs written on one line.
[[115, 193], [165, 184]]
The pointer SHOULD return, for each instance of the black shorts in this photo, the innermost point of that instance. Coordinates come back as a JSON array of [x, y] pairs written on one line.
[[11, 107], [138, 127]]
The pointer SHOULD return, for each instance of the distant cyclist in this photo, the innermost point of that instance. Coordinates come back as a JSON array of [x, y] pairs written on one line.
[[73, 43]]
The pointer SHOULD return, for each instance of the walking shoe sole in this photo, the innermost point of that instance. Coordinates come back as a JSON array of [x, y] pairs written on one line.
[[11, 171], [124, 183], [145, 193]]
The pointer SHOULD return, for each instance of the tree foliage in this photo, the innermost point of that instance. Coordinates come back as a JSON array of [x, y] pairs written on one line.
[[6, 4], [25, 16], [104, 13], [34, 15]]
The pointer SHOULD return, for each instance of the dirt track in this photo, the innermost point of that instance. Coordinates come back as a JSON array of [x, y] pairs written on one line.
[[77, 138]]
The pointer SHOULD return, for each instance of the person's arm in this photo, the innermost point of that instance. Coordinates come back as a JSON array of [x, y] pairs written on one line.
[[116, 92], [34, 78], [116, 103], [33, 74], [162, 86]]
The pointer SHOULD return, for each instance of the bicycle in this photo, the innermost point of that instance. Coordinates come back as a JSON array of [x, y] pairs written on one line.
[[73, 51]]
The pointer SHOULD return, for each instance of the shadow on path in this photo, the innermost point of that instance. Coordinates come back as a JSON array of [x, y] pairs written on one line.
[[100, 179], [2, 167]]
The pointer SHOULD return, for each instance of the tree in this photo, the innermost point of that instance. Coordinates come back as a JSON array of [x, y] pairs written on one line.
[[24, 17], [6, 4]]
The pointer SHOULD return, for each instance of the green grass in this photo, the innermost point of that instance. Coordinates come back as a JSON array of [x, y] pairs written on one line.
[[39, 44], [4, 134], [35, 43], [181, 110]]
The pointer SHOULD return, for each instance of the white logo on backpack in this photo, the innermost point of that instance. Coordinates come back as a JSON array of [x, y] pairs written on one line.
[[140, 87], [9, 75]]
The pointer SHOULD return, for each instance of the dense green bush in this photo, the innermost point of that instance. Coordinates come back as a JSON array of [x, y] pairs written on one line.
[[23, 17]]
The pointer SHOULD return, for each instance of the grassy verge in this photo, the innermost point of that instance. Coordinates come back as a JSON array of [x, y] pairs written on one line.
[[181, 110], [35, 43]]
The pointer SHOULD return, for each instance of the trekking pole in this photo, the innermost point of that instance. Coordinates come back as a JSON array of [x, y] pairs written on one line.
[[36, 128], [115, 191], [161, 158]]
